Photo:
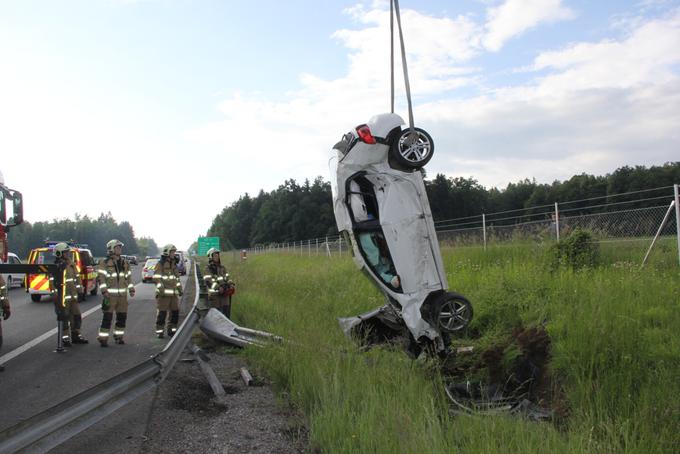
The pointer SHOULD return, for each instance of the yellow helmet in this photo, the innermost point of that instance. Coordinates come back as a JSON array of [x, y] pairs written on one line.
[[60, 248], [112, 244], [167, 248]]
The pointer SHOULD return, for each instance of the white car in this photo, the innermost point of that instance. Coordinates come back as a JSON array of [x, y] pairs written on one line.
[[382, 210], [14, 279]]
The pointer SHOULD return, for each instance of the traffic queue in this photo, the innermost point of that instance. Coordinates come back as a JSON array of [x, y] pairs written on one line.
[[114, 281]]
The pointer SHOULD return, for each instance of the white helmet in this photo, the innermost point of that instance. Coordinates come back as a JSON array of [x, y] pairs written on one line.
[[60, 248], [112, 244]]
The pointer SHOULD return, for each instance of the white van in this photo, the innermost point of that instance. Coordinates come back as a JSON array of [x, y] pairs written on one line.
[[14, 279]]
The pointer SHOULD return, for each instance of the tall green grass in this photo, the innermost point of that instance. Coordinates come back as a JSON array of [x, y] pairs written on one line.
[[616, 352]]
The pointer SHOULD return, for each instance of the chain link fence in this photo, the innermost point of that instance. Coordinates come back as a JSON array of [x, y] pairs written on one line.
[[630, 216]]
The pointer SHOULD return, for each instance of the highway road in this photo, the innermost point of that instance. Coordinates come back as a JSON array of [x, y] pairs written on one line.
[[36, 377]]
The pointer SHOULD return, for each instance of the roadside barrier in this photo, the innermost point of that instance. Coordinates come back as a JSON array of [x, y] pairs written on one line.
[[49, 429]]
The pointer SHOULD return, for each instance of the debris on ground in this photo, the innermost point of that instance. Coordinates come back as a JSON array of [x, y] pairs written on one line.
[[511, 376], [188, 418]]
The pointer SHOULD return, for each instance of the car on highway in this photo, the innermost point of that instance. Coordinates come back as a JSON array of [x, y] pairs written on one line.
[[131, 259], [181, 263], [147, 270], [13, 279], [381, 209], [39, 284]]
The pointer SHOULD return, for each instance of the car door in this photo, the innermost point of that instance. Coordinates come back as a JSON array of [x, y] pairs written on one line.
[[17, 278]]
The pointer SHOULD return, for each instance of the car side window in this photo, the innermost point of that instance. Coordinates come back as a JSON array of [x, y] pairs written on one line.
[[363, 205], [374, 248]]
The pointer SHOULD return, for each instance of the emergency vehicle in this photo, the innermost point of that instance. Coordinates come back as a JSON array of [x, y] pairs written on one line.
[[39, 284], [11, 214]]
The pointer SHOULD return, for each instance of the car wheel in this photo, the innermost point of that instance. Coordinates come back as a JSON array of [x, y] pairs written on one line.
[[82, 296], [35, 298], [451, 312], [412, 150], [93, 292], [9, 282]]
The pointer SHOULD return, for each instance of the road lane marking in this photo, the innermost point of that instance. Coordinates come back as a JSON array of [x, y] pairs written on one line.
[[32, 343]]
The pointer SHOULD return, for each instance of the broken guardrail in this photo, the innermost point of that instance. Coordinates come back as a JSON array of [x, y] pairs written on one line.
[[217, 326], [55, 425]]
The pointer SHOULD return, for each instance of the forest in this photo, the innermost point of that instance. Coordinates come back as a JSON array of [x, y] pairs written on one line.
[[296, 211], [82, 230]]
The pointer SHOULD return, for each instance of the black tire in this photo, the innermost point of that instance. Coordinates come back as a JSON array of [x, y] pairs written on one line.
[[412, 155], [9, 282], [35, 297], [451, 312], [82, 296], [93, 292]]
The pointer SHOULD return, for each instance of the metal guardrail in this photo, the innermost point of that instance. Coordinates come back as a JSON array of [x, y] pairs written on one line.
[[49, 429]]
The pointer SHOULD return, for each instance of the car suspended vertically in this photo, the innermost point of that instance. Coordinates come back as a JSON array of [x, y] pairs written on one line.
[[382, 210]]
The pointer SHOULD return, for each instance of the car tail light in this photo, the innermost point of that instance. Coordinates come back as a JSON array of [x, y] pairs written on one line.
[[365, 134]]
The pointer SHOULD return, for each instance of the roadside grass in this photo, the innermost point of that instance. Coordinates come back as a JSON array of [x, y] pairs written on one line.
[[615, 333]]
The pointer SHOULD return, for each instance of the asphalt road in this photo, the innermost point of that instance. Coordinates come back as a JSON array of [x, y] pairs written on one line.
[[37, 378]]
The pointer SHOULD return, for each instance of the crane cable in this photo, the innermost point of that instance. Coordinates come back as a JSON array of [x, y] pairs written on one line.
[[394, 11]]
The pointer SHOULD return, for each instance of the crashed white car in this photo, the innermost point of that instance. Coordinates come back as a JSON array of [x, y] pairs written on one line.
[[382, 210]]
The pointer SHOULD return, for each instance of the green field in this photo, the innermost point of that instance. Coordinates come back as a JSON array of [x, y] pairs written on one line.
[[615, 367]]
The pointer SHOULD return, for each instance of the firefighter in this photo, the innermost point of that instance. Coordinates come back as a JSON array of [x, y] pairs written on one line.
[[220, 287], [71, 288], [5, 311], [168, 291], [115, 282]]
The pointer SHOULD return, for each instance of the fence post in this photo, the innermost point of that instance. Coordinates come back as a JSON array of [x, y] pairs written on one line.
[[309, 248], [484, 229], [557, 222], [317, 246], [677, 216], [340, 245]]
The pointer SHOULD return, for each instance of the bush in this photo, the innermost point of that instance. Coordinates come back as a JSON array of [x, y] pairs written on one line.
[[578, 250]]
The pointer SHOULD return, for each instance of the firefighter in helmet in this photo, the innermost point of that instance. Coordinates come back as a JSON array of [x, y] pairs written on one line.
[[115, 282], [68, 309], [4, 309], [168, 291], [220, 287]]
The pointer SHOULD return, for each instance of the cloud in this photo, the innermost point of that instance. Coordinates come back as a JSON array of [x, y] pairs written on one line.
[[586, 107], [514, 17]]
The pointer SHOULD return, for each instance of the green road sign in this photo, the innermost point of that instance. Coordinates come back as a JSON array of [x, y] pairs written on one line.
[[206, 242]]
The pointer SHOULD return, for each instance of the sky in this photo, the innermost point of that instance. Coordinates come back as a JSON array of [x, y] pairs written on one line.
[[163, 112]]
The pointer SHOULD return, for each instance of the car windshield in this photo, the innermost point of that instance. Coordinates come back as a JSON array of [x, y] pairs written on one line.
[[150, 263], [43, 257]]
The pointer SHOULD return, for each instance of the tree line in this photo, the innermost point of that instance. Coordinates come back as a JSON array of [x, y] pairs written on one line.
[[294, 212], [82, 230]]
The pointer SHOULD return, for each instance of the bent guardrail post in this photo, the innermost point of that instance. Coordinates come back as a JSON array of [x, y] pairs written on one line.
[[59, 423], [217, 326]]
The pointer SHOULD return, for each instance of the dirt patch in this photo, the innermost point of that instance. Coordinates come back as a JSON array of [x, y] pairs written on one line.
[[186, 417], [194, 395], [515, 368]]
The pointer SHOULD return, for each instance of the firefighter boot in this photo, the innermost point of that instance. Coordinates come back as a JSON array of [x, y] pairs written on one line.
[[105, 328], [78, 338], [160, 323], [172, 326], [119, 330]]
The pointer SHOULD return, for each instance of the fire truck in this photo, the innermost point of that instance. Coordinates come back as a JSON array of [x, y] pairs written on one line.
[[11, 214]]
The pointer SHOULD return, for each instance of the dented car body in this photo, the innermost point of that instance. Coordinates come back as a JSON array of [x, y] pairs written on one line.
[[382, 210]]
